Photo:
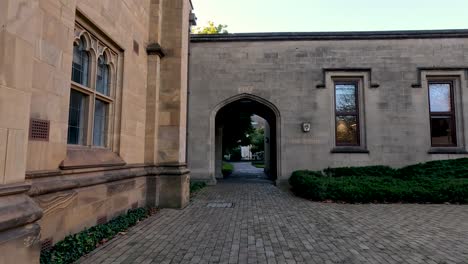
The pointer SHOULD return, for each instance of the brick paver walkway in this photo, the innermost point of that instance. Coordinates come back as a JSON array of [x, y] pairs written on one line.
[[246, 172], [266, 225]]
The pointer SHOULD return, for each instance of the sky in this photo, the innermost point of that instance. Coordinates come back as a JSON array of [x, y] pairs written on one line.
[[332, 15]]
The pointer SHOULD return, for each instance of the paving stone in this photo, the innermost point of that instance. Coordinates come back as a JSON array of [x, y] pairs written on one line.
[[267, 225]]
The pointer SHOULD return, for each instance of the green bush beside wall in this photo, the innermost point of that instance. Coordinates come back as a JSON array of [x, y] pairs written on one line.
[[431, 182], [196, 186], [227, 169], [75, 246]]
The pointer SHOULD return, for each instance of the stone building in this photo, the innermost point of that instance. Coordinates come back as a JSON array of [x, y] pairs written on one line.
[[332, 99], [92, 115]]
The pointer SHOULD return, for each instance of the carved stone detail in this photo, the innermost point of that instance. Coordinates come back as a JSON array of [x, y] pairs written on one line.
[[56, 201]]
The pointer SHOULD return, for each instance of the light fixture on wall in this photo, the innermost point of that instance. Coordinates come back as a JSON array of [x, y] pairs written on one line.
[[306, 127]]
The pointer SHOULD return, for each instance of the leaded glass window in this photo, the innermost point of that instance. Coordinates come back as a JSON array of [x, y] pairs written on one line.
[[442, 114], [77, 118], [100, 123], [347, 114], [91, 97], [80, 64], [102, 78]]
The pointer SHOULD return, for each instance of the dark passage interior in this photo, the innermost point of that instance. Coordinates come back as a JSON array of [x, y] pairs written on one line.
[[229, 120]]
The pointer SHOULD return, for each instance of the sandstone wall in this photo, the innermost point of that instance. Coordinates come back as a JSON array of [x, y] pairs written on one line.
[[290, 75]]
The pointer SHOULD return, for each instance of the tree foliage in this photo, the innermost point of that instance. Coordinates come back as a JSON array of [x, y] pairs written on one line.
[[257, 140], [211, 28]]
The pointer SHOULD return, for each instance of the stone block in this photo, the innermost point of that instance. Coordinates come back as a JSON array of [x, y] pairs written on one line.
[[174, 191]]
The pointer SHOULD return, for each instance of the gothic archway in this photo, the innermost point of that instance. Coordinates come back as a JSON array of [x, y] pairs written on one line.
[[250, 104]]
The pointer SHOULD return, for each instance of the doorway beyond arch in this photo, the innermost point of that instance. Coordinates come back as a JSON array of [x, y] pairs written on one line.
[[246, 103]]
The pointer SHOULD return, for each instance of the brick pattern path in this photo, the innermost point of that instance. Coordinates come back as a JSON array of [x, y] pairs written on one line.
[[266, 225], [244, 171]]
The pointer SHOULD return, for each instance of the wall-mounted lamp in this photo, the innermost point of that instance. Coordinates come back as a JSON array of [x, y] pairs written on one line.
[[306, 127]]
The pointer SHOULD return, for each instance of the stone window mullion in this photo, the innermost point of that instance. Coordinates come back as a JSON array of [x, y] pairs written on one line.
[[96, 97]]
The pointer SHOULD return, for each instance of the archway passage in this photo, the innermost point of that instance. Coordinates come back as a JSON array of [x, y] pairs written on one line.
[[227, 118]]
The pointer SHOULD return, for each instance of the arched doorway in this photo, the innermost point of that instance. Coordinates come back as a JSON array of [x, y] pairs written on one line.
[[241, 105]]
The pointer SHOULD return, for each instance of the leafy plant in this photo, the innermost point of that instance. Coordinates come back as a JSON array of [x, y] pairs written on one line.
[[196, 186], [227, 169], [360, 171], [77, 245], [431, 182], [211, 28], [257, 140]]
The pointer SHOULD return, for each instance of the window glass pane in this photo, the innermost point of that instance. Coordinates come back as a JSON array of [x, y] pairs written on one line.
[[346, 130], [80, 65], [100, 122], [345, 96], [442, 131], [439, 97], [77, 68], [102, 80], [76, 118], [85, 59]]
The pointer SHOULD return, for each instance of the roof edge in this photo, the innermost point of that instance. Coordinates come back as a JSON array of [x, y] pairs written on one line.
[[344, 35]]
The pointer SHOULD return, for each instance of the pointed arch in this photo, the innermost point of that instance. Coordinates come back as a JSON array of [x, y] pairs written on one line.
[[277, 129]]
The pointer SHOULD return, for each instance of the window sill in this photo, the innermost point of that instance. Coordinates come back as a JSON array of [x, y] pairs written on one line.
[[447, 150], [79, 157], [350, 150]]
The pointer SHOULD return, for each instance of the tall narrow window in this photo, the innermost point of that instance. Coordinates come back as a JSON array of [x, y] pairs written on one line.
[[92, 97], [102, 80], [347, 114], [442, 114], [77, 118], [80, 64], [100, 123]]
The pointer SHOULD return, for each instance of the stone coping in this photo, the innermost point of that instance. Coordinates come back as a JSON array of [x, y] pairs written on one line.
[[16, 188], [350, 35], [17, 210], [60, 180]]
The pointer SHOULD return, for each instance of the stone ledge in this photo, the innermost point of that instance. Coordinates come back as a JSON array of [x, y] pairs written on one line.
[[18, 210], [16, 188], [351, 35], [155, 49], [350, 150], [54, 181], [447, 150], [85, 157]]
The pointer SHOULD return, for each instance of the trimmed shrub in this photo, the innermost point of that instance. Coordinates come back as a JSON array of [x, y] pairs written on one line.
[[227, 169], [75, 246], [366, 189], [196, 186], [360, 171], [456, 168]]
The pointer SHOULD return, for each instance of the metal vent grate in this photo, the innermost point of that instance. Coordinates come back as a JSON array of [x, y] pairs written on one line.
[[46, 244], [101, 220], [39, 130], [220, 205]]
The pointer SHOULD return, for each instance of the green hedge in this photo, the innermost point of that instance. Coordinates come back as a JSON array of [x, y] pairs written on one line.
[[431, 182], [196, 186], [75, 246], [456, 168], [360, 171], [227, 169]]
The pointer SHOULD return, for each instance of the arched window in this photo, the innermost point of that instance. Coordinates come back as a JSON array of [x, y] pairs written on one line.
[[102, 80], [92, 98], [80, 67]]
